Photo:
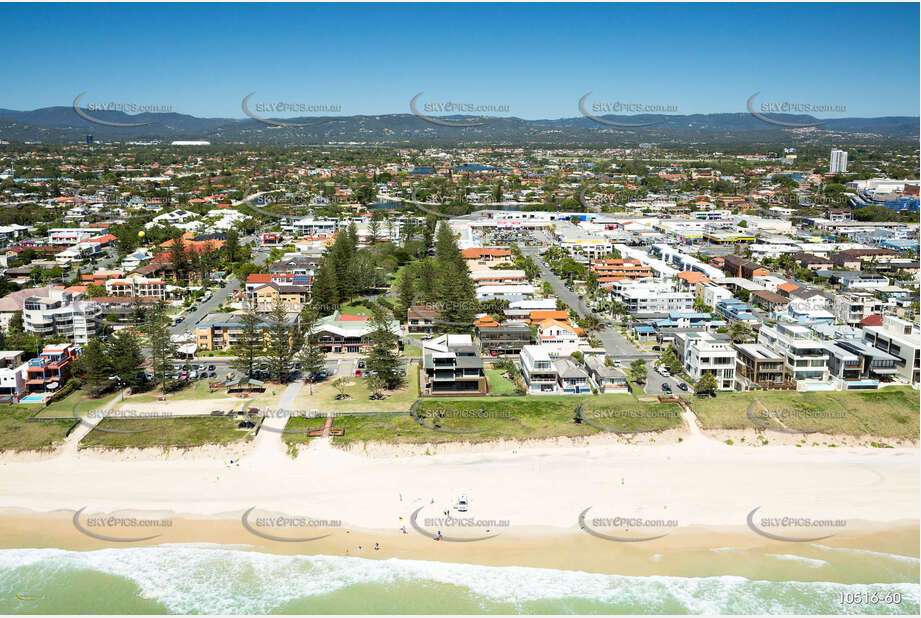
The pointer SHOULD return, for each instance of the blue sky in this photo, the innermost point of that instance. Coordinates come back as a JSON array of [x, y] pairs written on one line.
[[538, 59]]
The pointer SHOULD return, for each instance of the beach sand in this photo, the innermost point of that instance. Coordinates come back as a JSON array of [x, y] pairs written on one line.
[[700, 492]]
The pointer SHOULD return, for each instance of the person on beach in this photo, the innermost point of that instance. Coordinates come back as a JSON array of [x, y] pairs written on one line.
[[377, 547]]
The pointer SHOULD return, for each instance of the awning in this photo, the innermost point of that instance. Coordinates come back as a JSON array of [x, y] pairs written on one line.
[[884, 371]]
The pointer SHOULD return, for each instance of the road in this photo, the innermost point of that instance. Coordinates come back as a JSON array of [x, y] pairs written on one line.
[[615, 344], [231, 283]]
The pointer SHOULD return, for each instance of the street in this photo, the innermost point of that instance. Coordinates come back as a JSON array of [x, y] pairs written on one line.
[[615, 345]]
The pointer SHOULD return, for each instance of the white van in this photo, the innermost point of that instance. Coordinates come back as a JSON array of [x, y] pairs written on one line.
[[461, 503]]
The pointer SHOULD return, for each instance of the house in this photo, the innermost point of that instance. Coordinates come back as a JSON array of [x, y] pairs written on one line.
[[12, 376], [420, 319], [607, 379], [572, 378], [452, 366], [48, 372], [759, 367], [502, 339], [478, 258], [851, 309], [702, 352], [538, 371], [901, 339], [557, 331]]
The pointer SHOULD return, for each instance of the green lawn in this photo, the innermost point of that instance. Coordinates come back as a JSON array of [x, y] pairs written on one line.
[[65, 407], [165, 432], [324, 396], [195, 391], [480, 419], [498, 384], [891, 412], [18, 434]]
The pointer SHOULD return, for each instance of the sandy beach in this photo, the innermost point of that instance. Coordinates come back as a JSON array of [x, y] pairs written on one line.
[[527, 497]]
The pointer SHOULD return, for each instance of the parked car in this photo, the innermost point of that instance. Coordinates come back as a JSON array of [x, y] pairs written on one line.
[[666, 388], [462, 503], [682, 386], [210, 367]]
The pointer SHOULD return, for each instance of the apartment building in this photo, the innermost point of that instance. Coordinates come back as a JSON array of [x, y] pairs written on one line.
[[420, 320], [737, 266], [222, 331], [293, 297], [538, 371], [702, 352], [901, 339], [620, 268], [851, 309], [805, 358], [648, 298], [452, 366], [136, 285], [734, 310], [71, 235], [59, 314]]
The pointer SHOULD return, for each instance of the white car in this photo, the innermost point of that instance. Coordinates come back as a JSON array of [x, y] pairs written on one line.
[[462, 503]]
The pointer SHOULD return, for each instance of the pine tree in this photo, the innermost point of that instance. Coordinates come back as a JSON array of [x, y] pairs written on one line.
[[312, 356], [162, 349], [382, 359], [406, 291], [177, 255], [280, 350], [324, 294], [250, 344], [94, 367], [126, 357]]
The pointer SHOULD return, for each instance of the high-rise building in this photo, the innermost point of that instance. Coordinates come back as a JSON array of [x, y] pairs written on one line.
[[837, 163]]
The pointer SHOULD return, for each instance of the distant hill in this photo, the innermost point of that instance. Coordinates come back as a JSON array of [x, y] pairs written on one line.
[[63, 125]]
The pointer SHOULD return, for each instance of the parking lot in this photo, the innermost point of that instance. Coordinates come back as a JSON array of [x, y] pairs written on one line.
[[654, 383]]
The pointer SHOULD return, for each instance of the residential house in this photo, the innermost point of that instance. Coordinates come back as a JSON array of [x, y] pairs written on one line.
[[538, 371], [901, 339], [452, 366], [607, 379]]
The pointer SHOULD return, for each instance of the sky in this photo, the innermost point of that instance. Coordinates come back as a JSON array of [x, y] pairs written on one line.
[[536, 59]]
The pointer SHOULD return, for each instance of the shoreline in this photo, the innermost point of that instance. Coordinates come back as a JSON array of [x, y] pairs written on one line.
[[567, 549]]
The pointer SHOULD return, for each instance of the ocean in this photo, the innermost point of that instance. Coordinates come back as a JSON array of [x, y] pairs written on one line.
[[214, 579]]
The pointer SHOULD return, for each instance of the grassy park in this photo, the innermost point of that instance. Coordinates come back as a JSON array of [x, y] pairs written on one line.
[[891, 412], [165, 432], [20, 434]]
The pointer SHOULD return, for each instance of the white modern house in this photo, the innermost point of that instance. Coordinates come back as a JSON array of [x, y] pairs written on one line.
[[538, 371], [701, 352]]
